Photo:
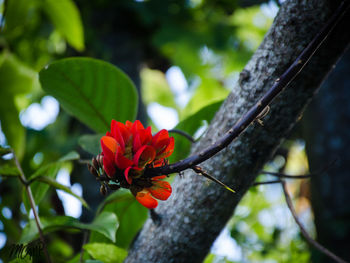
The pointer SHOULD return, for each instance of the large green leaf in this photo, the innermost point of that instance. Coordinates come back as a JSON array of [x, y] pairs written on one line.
[[66, 18], [106, 224], [191, 125], [92, 90], [107, 253]]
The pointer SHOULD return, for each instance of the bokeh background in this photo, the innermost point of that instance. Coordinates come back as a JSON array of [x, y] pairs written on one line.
[[183, 57]]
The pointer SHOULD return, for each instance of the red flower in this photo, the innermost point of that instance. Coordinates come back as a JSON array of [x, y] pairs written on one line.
[[128, 149]]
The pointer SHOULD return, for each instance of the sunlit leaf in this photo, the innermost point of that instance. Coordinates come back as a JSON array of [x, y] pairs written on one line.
[[66, 18], [93, 91], [107, 253]]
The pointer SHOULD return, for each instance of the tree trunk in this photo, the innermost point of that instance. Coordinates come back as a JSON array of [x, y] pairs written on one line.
[[197, 210], [328, 138]]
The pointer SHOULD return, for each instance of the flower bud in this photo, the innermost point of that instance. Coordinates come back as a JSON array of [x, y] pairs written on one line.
[[103, 189], [92, 170]]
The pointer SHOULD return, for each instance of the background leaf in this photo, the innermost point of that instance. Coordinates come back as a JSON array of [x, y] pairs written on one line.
[[131, 215], [52, 182], [106, 224], [107, 253], [92, 90], [91, 143], [15, 79], [191, 125], [66, 18]]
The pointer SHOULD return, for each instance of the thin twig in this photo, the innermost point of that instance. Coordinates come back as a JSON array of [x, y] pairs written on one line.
[[184, 134], [266, 182], [301, 176], [280, 83], [32, 205], [282, 175], [303, 231]]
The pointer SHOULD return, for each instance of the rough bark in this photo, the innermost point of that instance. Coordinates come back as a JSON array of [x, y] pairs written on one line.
[[327, 126], [197, 210]]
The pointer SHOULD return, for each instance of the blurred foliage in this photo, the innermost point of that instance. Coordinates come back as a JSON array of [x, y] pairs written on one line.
[[209, 41]]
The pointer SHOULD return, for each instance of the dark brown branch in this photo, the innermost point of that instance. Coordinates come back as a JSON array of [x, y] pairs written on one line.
[[266, 182], [184, 134], [303, 231], [282, 175], [32, 205], [256, 110]]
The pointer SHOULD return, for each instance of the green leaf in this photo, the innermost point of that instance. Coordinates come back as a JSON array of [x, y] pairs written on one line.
[[191, 125], [92, 90], [4, 151], [57, 185], [107, 253], [71, 156], [50, 170], [15, 79], [66, 18], [106, 224], [155, 88], [26, 259], [131, 215], [16, 16], [91, 143], [8, 168]]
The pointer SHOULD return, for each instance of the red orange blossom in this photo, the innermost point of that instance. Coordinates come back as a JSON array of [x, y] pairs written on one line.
[[128, 149]]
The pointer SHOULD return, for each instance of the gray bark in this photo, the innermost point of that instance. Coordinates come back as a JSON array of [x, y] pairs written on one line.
[[197, 210], [327, 126]]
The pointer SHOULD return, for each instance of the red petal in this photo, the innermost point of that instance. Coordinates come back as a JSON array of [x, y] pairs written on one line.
[[144, 156], [161, 135], [160, 190], [127, 176], [165, 148], [110, 143], [108, 166], [128, 124], [158, 177], [137, 125], [137, 143], [122, 162], [144, 198]]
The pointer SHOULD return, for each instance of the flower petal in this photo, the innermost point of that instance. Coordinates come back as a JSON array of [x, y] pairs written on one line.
[[108, 166], [122, 162], [127, 175], [164, 147], [144, 198], [136, 126], [160, 190], [110, 143], [144, 156]]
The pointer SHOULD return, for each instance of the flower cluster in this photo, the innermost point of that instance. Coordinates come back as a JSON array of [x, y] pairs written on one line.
[[128, 149]]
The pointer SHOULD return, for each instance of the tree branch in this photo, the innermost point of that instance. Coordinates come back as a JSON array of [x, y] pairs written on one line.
[[197, 211], [303, 231], [279, 84]]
